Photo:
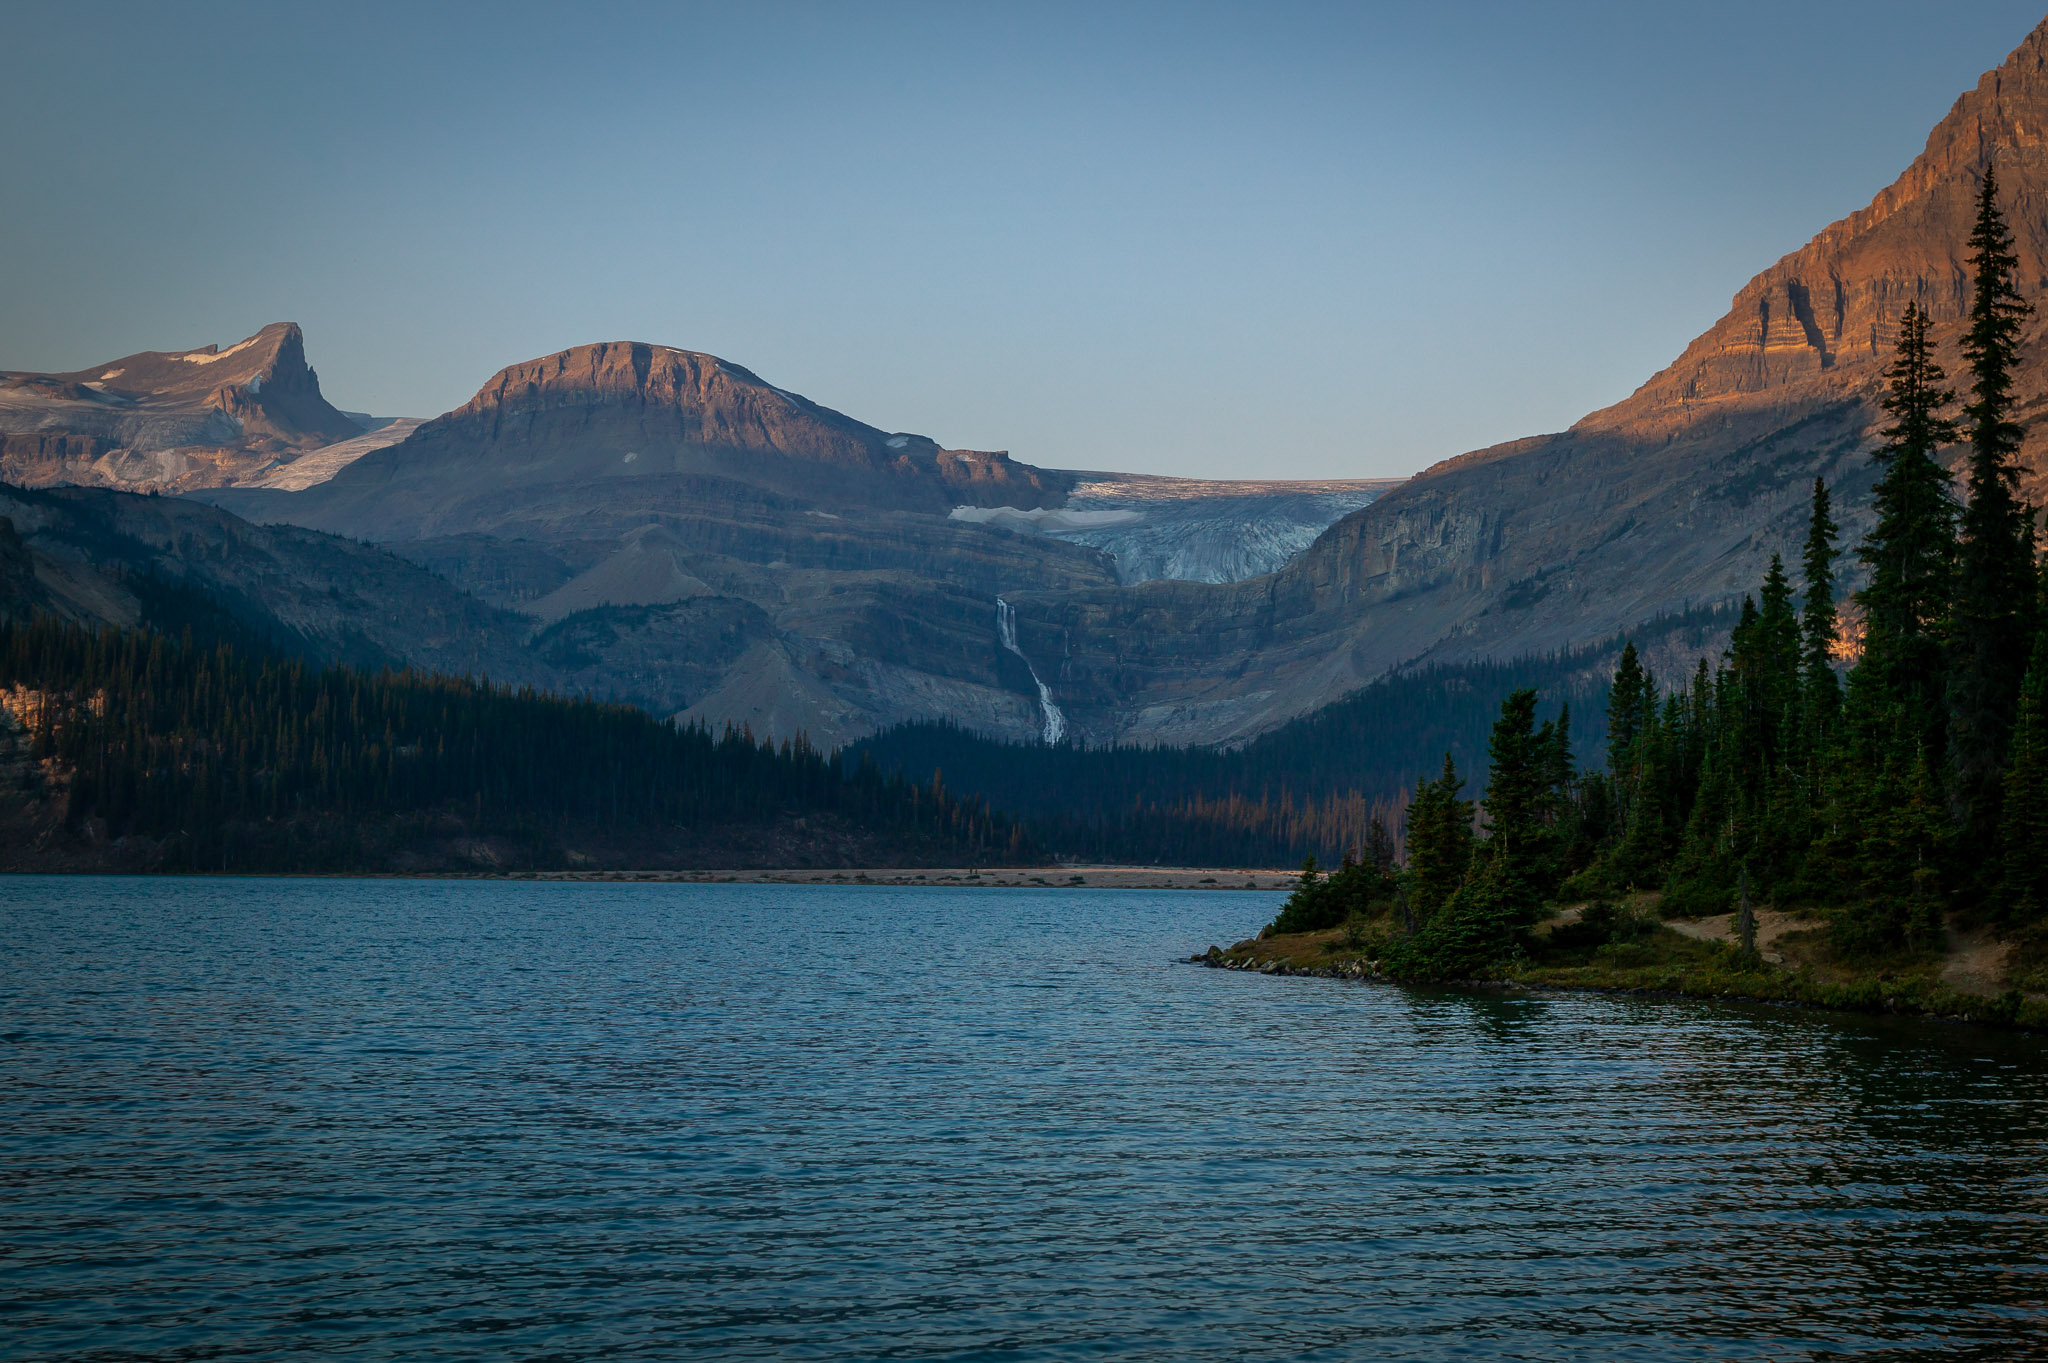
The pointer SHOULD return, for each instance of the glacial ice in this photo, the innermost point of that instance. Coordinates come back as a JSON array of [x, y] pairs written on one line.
[[1188, 529]]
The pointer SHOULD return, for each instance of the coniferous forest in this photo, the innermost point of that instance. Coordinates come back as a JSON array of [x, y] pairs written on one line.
[[1898, 799], [225, 757], [1312, 787]]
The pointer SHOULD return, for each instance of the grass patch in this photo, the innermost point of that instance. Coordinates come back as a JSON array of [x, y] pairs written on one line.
[[1643, 956]]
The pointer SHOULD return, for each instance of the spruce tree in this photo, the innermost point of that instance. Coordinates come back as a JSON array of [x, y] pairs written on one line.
[[1772, 806], [1501, 895], [1774, 675], [1521, 839], [1483, 922], [1516, 785], [1379, 847], [1911, 549], [2024, 825], [1644, 838], [1739, 687], [1624, 708], [1818, 623], [1921, 829], [1439, 842], [1562, 766], [1777, 627], [1994, 587], [1631, 720], [1713, 842]]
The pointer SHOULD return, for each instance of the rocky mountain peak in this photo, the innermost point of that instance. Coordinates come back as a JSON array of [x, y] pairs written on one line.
[[263, 382], [632, 402], [695, 398], [169, 419], [1823, 319]]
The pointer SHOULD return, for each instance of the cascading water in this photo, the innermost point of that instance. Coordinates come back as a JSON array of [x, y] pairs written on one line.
[[1006, 630]]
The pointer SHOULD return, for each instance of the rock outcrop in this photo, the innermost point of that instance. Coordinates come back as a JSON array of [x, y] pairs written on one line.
[[1820, 319], [169, 420]]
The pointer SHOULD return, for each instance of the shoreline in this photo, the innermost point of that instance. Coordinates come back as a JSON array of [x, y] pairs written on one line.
[[954, 877], [1732, 983], [926, 877]]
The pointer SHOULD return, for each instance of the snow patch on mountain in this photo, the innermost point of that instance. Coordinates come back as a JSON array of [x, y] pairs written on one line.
[[210, 355]]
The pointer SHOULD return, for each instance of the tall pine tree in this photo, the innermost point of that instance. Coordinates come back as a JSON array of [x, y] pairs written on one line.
[[1818, 622], [1439, 842], [2024, 830], [1911, 549], [1624, 710], [1994, 588], [1516, 785]]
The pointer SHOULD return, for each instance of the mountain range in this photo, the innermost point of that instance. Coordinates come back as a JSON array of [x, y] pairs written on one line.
[[668, 527], [647, 523]]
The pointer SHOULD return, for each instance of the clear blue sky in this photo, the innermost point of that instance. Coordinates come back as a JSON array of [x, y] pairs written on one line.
[[1225, 240]]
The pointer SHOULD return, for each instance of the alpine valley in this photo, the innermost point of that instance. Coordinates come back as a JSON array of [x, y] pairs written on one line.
[[666, 528]]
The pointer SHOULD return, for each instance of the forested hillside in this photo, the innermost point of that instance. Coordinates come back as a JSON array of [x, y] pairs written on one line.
[[129, 748], [1310, 788]]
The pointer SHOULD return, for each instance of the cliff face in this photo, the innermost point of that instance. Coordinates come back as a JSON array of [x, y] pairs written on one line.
[[1561, 540], [1826, 316], [169, 420]]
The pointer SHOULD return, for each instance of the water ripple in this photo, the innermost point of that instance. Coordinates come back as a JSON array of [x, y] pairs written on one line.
[[247, 1119]]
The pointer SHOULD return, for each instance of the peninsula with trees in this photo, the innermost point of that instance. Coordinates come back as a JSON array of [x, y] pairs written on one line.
[[1850, 795]]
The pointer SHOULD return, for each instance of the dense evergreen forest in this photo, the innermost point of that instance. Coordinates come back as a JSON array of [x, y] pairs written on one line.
[[228, 757], [1913, 796], [1312, 787]]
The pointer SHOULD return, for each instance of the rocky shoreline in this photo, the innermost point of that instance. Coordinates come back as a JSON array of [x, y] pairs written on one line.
[[2011, 1012], [1216, 959]]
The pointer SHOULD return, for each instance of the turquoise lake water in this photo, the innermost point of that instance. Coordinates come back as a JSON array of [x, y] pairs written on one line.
[[400, 1119]]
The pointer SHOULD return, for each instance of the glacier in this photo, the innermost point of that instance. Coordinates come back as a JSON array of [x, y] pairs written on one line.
[[1190, 529]]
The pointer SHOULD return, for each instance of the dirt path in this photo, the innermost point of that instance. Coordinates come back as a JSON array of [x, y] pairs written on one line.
[[1770, 926], [1976, 962]]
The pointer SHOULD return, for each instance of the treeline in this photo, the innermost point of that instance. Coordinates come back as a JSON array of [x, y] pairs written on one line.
[[1201, 830], [1311, 787], [1917, 790], [215, 749]]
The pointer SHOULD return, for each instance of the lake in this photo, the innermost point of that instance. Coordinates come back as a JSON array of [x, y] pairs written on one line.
[[459, 1119]]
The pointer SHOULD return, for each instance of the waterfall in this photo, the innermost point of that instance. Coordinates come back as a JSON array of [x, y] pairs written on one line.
[[1006, 630]]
